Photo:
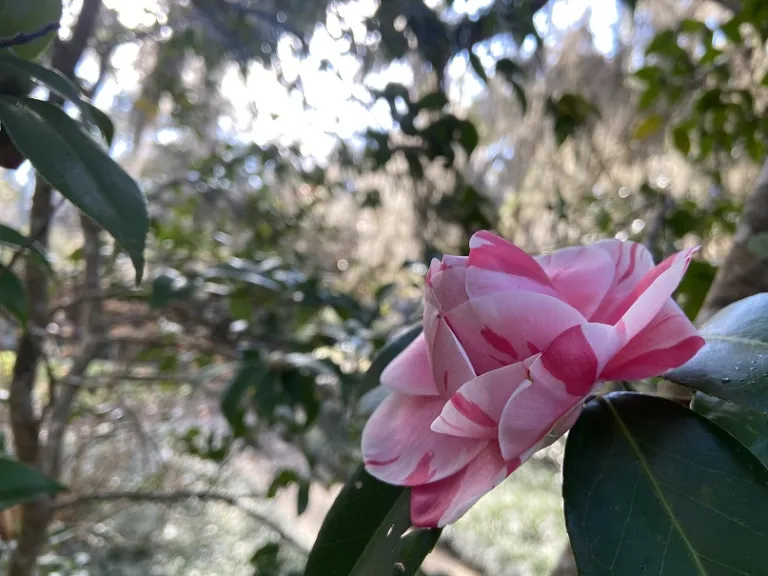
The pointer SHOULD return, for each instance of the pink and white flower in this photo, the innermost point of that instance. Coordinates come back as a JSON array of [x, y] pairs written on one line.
[[512, 345]]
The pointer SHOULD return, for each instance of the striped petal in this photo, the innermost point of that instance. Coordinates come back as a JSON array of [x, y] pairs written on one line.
[[474, 411], [446, 281], [410, 371], [631, 262], [399, 448], [444, 502], [667, 342], [507, 327], [559, 379], [451, 367], [582, 275]]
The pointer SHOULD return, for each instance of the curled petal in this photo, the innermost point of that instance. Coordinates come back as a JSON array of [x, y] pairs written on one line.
[[410, 372], [631, 262], [508, 327], [559, 379], [399, 448], [444, 502], [669, 341], [451, 367], [651, 294], [475, 410], [582, 275]]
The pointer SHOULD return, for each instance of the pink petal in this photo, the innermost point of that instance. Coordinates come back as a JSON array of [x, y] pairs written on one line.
[[444, 502], [496, 265], [631, 262], [446, 282], [399, 448], [560, 378], [582, 275], [667, 342], [507, 327], [474, 411], [451, 367], [651, 293], [410, 372]]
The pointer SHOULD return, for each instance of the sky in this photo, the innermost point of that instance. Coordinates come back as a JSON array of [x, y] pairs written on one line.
[[338, 104]]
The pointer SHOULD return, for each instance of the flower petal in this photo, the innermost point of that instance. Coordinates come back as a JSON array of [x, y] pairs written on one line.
[[507, 327], [582, 275], [559, 379], [444, 502], [399, 448], [631, 262], [496, 265], [650, 294], [410, 372], [667, 342], [446, 281], [474, 411], [451, 367]]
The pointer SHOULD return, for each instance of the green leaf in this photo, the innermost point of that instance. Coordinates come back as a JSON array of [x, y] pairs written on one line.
[[19, 483], [468, 136], [266, 560], [477, 66], [242, 271], [76, 166], [59, 84], [361, 532], [12, 237], [694, 287], [651, 487], [681, 139], [733, 364], [251, 374], [414, 548], [13, 297], [168, 288], [433, 101], [388, 352], [750, 427], [282, 479], [648, 127]]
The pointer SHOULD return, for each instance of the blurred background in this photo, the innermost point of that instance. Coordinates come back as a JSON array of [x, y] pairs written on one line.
[[303, 161]]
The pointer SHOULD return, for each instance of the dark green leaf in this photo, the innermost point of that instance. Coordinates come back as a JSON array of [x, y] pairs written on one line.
[[681, 139], [468, 136], [733, 364], [477, 66], [750, 427], [386, 355], [19, 483], [361, 533], [250, 376], [11, 237], [13, 297], [244, 272], [168, 288], [651, 487], [414, 548], [51, 79], [732, 30], [266, 560], [282, 479], [103, 123], [433, 101], [72, 162]]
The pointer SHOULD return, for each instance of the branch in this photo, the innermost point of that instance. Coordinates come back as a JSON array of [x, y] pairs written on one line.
[[26, 38], [170, 498]]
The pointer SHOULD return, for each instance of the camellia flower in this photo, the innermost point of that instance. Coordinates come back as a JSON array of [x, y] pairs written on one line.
[[512, 345]]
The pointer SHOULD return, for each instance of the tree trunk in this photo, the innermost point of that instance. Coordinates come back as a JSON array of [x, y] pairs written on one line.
[[25, 423]]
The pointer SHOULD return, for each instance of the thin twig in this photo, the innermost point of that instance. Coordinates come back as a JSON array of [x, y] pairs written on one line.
[[27, 37]]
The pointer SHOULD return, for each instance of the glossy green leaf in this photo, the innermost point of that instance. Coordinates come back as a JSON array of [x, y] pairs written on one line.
[[13, 296], [61, 85], [414, 548], [73, 163], [651, 487], [733, 364], [19, 483], [750, 427], [361, 534], [12, 237], [391, 349]]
